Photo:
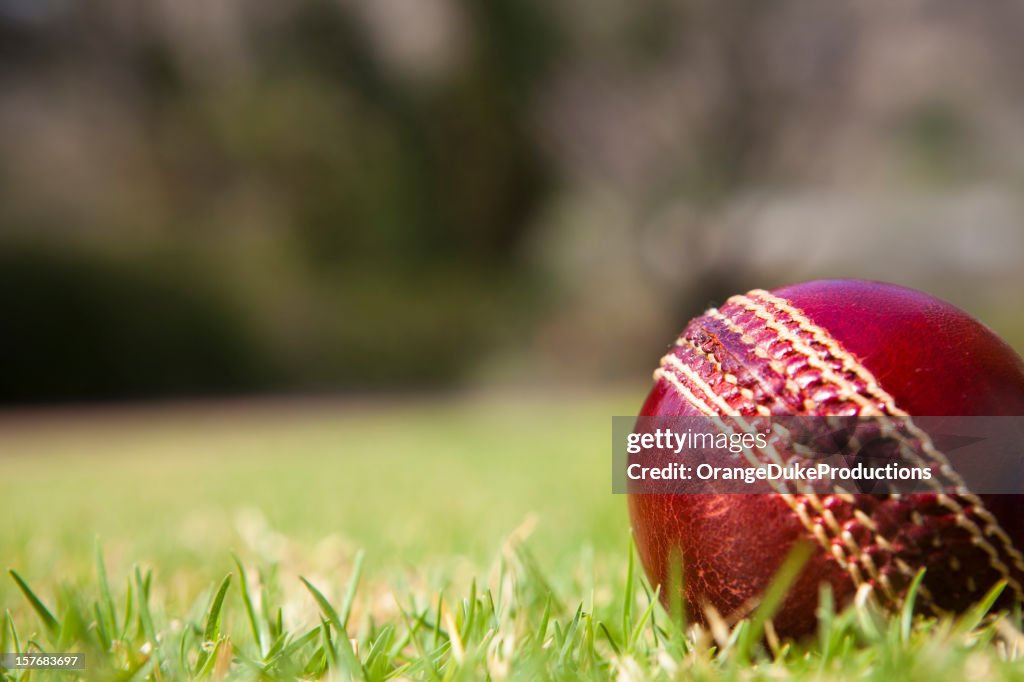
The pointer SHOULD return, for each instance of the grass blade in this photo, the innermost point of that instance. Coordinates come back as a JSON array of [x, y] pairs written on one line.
[[211, 658], [101, 628], [639, 627], [250, 611], [570, 636], [608, 635], [324, 604], [183, 648], [437, 620], [350, 593], [470, 610], [542, 629], [343, 647], [52, 624], [907, 611], [106, 603], [973, 616], [145, 617], [329, 649], [212, 631], [128, 605], [8, 638], [377, 657], [676, 589], [628, 593], [774, 596]]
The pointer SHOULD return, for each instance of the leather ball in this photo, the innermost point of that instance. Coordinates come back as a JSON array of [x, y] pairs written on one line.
[[836, 347]]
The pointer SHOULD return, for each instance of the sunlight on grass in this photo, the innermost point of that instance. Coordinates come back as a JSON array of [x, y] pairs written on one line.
[[452, 538], [410, 481]]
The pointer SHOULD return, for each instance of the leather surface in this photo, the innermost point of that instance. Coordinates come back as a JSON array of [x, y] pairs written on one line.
[[933, 359]]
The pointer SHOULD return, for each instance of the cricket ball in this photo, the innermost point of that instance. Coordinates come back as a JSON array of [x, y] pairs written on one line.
[[834, 347]]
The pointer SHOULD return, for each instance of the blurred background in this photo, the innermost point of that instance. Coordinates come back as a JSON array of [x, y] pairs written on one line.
[[295, 278], [224, 198]]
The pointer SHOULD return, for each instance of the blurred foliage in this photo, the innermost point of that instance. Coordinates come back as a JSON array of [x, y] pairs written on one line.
[[81, 327], [341, 194], [396, 211]]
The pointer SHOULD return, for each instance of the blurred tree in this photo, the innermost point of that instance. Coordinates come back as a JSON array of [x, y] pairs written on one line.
[[364, 193], [82, 327], [394, 209]]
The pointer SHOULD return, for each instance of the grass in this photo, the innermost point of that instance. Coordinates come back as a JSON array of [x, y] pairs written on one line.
[[462, 538]]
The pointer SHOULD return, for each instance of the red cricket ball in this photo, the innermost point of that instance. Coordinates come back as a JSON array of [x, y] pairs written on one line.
[[821, 348]]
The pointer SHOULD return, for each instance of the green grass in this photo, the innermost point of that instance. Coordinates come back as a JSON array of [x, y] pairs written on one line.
[[459, 538]]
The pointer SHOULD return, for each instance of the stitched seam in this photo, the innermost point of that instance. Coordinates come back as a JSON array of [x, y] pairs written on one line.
[[836, 545], [685, 392], [688, 394], [850, 363], [679, 366], [850, 392], [846, 387], [776, 366], [873, 388], [744, 387], [819, 531], [823, 526], [796, 503]]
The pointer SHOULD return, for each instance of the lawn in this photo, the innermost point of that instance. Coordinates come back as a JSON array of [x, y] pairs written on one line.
[[449, 537]]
